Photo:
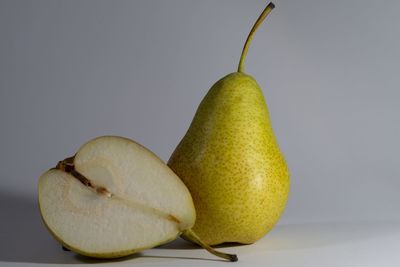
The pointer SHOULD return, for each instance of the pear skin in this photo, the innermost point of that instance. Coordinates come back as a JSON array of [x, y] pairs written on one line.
[[231, 163]]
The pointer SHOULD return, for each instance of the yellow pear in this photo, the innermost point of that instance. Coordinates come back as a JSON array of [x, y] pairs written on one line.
[[230, 160]]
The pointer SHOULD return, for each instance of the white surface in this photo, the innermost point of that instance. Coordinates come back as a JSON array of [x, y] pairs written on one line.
[[315, 244]]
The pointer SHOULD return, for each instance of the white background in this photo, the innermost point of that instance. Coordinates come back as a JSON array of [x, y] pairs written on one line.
[[74, 70]]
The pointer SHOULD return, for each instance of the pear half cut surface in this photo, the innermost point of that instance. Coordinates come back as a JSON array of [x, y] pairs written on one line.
[[115, 198]]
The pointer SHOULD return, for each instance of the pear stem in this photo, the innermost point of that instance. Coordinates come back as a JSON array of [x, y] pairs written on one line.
[[260, 19], [189, 234]]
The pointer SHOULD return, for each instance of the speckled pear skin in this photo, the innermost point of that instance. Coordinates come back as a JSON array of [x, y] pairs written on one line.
[[231, 163]]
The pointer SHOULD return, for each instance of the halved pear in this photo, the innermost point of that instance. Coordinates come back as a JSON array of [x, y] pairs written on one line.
[[115, 198]]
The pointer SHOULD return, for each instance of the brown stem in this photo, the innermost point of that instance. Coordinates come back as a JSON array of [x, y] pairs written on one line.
[[260, 19], [189, 234], [68, 166]]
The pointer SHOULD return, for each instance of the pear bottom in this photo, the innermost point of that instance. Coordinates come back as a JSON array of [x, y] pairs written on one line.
[[245, 226]]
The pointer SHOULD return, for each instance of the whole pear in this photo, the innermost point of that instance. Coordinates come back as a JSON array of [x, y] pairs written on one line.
[[230, 160]]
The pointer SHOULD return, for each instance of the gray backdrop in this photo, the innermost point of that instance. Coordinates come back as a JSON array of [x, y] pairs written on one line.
[[74, 70]]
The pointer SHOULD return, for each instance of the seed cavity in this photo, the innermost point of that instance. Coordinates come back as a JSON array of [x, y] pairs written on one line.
[[67, 165], [173, 218]]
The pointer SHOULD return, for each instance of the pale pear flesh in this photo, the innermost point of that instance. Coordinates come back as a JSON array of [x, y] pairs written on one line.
[[140, 203]]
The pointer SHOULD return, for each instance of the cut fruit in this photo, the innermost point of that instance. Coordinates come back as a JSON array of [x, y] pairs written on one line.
[[114, 198]]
